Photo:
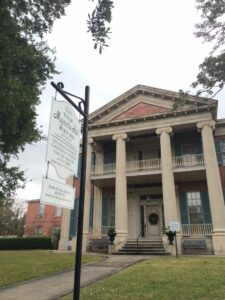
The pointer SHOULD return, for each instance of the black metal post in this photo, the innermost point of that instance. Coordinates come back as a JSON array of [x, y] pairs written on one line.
[[84, 112], [76, 292], [176, 244]]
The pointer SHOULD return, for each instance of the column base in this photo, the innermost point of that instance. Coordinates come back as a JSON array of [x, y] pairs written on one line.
[[85, 242], [171, 249], [218, 239], [96, 233], [63, 244], [120, 240]]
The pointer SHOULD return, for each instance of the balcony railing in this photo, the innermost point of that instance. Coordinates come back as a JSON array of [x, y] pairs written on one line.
[[188, 160], [197, 229], [141, 165], [101, 169]]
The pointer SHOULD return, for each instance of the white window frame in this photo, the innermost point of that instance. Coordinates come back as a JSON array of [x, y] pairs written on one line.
[[194, 200], [41, 210], [222, 149]]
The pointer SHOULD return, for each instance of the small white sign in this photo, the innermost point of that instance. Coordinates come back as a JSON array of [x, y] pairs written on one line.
[[175, 226], [57, 194], [63, 139]]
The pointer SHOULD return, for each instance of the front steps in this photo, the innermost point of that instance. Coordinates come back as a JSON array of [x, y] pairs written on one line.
[[144, 247]]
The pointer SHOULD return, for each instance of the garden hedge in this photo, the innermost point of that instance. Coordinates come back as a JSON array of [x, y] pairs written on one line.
[[25, 243]]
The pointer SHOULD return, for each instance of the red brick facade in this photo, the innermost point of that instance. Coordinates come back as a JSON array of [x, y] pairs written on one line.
[[43, 225]]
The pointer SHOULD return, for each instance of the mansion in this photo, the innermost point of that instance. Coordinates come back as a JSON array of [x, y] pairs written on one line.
[[149, 164]]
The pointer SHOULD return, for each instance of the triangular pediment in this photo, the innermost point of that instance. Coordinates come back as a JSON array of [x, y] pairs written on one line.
[[144, 101], [141, 110]]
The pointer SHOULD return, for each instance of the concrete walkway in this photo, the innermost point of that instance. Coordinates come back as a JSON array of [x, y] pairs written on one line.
[[55, 286]]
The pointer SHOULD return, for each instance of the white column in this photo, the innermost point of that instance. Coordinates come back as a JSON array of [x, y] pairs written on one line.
[[65, 225], [168, 186], [97, 217], [214, 186], [87, 196], [121, 210]]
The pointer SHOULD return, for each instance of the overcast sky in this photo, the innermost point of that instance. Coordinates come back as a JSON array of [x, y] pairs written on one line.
[[152, 43]]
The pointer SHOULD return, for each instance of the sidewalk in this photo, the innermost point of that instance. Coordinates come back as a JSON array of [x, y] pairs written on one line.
[[57, 285]]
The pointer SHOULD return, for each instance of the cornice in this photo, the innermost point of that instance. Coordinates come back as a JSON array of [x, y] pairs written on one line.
[[153, 117], [145, 90]]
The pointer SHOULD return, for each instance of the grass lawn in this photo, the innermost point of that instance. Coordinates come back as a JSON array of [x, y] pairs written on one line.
[[17, 266], [186, 278]]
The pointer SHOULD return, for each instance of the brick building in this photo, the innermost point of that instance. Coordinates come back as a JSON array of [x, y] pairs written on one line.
[[42, 219]]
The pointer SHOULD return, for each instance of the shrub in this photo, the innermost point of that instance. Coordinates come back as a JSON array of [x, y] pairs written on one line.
[[25, 243]]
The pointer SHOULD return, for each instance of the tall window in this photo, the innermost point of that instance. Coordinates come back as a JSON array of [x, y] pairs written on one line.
[[188, 149], [58, 211], [38, 230], [41, 211], [222, 148], [195, 208]]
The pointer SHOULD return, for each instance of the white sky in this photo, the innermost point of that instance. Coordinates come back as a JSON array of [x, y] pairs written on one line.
[[152, 43]]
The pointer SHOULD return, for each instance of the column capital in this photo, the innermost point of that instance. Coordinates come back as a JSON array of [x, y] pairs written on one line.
[[164, 129], [90, 141], [122, 136], [209, 123], [97, 147]]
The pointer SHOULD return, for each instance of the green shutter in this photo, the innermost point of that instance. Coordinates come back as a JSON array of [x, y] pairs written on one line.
[[73, 219], [177, 149], [218, 152], [183, 208], [91, 212], [105, 211], [206, 207], [198, 147], [224, 195]]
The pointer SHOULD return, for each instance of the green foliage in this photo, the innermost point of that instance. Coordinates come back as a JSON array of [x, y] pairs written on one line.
[[29, 243], [212, 29], [182, 100], [96, 22], [26, 62]]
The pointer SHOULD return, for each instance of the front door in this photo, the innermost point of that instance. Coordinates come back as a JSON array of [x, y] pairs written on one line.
[[153, 221]]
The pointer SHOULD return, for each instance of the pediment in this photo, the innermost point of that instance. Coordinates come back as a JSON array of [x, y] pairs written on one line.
[[141, 110], [144, 101]]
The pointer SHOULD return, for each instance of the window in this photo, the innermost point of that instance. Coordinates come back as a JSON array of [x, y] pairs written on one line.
[[38, 230], [188, 149], [195, 210], [58, 211], [56, 229], [112, 211], [41, 211], [222, 149]]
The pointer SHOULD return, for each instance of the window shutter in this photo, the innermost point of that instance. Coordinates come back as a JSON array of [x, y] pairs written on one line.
[[73, 219], [177, 149], [105, 211], [198, 147], [218, 152], [224, 195], [183, 208], [91, 212], [206, 207]]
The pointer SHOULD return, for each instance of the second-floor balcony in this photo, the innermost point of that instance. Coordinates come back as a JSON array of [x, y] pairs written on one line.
[[179, 162]]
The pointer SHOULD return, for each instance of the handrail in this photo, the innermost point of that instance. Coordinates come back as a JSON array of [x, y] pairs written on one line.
[[139, 237]]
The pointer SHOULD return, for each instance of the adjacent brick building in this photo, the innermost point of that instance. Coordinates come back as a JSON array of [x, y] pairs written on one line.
[[42, 219]]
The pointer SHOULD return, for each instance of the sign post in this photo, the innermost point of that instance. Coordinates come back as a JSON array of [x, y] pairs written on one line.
[[83, 109], [175, 227]]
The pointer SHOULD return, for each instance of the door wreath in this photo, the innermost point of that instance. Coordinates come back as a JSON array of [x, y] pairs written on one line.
[[153, 219]]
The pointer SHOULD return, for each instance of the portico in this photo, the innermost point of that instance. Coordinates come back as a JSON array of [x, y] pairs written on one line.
[[148, 167]]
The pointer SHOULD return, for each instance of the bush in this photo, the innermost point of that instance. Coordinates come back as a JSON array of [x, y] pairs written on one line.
[[26, 243]]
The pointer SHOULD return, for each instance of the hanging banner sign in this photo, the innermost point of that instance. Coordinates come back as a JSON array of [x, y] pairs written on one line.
[[57, 194], [63, 139]]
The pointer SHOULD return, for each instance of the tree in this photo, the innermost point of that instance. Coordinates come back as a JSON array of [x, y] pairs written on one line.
[[211, 77], [97, 21], [12, 217], [26, 62]]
